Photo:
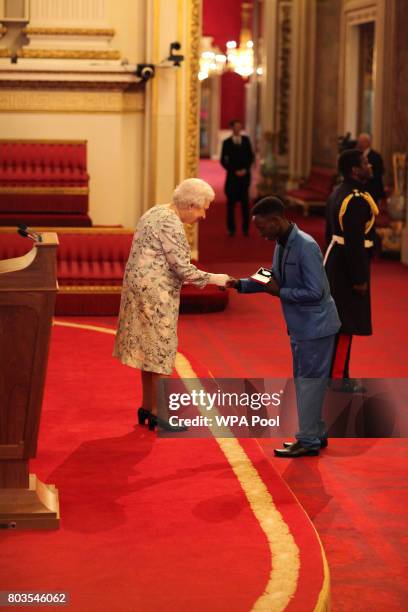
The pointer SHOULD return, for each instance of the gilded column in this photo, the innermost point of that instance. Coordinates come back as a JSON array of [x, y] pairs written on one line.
[[302, 89], [269, 39]]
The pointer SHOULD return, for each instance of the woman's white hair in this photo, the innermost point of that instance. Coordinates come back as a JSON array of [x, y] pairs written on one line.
[[193, 191]]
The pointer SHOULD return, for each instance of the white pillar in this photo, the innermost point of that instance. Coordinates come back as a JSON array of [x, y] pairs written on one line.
[[172, 102]]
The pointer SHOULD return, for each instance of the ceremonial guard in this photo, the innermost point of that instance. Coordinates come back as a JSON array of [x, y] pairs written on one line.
[[351, 213]]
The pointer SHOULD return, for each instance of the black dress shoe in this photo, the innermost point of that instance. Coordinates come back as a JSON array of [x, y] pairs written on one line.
[[292, 453], [323, 443], [155, 421], [292, 445], [143, 415]]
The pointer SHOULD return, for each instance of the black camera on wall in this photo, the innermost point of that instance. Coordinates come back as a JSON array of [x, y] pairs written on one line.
[[174, 57], [145, 71]]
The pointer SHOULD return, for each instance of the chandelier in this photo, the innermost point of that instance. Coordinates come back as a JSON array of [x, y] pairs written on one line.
[[239, 59], [212, 61]]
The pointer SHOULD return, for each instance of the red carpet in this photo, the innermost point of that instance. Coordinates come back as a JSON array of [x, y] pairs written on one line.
[[356, 493], [148, 523], [140, 531], [215, 245], [357, 498]]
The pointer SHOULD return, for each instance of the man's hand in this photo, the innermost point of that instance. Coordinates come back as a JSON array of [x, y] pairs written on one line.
[[272, 287], [241, 172], [361, 289]]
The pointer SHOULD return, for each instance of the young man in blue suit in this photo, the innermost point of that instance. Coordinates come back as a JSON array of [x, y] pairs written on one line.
[[299, 280]]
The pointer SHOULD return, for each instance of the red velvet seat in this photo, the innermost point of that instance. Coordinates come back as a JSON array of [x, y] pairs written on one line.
[[90, 269], [43, 178], [314, 191]]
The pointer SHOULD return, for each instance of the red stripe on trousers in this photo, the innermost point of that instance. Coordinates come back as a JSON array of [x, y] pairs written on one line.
[[340, 355]]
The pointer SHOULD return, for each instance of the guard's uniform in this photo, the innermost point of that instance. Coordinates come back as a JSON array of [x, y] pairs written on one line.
[[350, 216]]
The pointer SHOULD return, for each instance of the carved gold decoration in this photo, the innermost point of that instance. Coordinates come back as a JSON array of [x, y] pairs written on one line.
[[193, 91], [5, 53], [89, 288], [70, 101], [69, 54], [70, 31], [178, 170], [132, 103], [46, 190], [193, 107]]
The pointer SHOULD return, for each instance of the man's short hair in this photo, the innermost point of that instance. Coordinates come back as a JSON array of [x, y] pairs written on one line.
[[271, 205], [348, 160], [234, 121]]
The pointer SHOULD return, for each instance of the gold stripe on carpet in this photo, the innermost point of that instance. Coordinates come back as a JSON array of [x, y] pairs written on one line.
[[285, 563]]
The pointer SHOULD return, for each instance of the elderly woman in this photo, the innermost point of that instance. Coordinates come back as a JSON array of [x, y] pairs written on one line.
[[158, 265]]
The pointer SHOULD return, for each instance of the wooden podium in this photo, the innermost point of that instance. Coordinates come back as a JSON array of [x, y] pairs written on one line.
[[28, 289]]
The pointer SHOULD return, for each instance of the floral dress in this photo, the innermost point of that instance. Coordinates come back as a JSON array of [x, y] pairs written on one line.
[[158, 265]]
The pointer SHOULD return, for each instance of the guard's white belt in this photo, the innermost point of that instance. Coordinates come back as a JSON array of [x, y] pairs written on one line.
[[340, 240]]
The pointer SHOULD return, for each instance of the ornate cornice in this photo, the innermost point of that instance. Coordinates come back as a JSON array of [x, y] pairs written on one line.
[[363, 15], [68, 54], [46, 190], [73, 86], [107, 32], [70, 101]]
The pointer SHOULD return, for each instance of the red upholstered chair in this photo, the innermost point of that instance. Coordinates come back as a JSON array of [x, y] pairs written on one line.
[[314, 191], [44, 183], [90, 267]]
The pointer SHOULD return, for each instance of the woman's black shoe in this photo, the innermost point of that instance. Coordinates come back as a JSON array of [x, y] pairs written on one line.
[[155, 421], [143, 415]]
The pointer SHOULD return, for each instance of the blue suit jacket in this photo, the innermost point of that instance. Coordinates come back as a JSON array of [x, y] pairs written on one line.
[[308, 308]]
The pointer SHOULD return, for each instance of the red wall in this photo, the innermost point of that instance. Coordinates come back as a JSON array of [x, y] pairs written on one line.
[[222, 21], [232, 98]]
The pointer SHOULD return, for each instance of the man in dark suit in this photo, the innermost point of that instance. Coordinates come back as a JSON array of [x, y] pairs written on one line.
[[237, 158], [374, 185], [350, 232]]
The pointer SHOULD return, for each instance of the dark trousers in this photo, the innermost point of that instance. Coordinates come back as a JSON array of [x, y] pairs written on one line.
[[312, 360], [231, 201]]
